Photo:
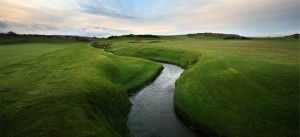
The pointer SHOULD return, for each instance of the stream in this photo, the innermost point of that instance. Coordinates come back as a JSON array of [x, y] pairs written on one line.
[[152, 113]]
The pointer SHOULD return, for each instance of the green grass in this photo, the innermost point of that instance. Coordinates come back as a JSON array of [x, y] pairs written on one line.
[[237, 87], [67, 90], [234, 87], [13, 54], [182, 58]]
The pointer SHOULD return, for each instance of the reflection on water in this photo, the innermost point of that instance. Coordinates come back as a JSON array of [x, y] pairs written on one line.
[[152, 113]]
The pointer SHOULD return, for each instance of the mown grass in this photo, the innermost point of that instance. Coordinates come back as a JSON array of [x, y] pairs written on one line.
[[13, 54], [237, 88], [67, 90]]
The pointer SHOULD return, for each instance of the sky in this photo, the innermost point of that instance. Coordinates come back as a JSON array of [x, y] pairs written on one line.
[[104, 18]]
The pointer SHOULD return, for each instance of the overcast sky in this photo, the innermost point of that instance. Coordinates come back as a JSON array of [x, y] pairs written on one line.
[[164, 17]]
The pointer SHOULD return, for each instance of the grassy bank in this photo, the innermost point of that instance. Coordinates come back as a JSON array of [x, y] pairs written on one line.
[[237, 88], [67, 90], [180, 57]]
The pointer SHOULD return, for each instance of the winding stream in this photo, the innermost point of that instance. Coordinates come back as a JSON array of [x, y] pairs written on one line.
[[152, 113]]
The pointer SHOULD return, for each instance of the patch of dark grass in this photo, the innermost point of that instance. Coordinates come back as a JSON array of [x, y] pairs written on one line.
[[100, 45], [156, 41]]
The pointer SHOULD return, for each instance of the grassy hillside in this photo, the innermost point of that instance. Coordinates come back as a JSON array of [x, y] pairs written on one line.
[[67, 90], [182, 58], [237, 87]]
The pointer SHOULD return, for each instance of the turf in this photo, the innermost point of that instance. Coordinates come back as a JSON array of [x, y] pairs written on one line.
[[57, 89], [237, 87], [182, 58], [10, 54]]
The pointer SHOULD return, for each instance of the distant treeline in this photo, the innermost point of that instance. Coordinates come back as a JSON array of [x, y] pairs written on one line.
[[12, 37], [295, 36], [146, 36], [220, 35], [237, 37]]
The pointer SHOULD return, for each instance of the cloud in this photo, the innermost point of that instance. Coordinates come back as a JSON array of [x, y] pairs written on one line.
[[57, 29], [2, 25], [248, 17], [117, 17], [134, 10], [106, 8]]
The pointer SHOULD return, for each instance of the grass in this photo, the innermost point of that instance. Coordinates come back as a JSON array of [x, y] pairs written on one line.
[[182, 58], [10, 54], [233, 87], [237, 87], [59, 89]]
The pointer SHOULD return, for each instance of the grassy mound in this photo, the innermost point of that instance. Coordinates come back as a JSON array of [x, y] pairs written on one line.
[[237, 97], [183, 58], [237, 88], [67, 90]]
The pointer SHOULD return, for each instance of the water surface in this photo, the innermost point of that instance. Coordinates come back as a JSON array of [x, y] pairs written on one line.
[[152, 113]]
